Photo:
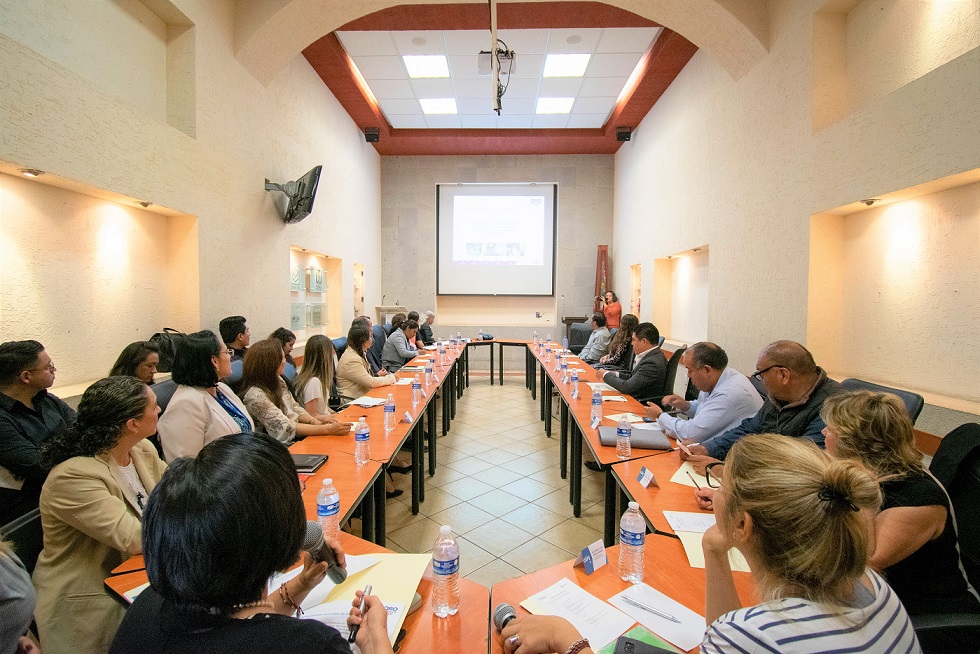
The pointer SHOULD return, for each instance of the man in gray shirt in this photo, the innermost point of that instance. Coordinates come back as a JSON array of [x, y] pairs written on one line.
[[598, 343]]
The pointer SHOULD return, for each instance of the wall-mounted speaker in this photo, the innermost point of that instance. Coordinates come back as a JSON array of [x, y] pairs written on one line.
[[623, 133], [372, 134]]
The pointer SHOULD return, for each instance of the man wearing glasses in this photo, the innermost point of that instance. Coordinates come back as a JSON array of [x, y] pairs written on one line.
[[796, 388], [28, 416]]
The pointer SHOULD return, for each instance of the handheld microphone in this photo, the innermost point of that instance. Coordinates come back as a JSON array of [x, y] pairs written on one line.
[[320, 551], [502, 615]]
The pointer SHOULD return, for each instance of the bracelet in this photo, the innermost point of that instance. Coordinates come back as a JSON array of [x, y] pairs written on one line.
[[577, 646], [287, 600]]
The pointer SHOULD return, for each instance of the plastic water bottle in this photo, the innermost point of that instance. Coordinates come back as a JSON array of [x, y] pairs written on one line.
[[535, 338], [428, 372], [564, 369], [481, 333], [328, 509], [632, 536], [596, 406], [442, 353], [445, 574], [416, 391], [564, 342], [362, 442], [390, 418], [575, 384], [623, 433], [547, 350], [459, 342]]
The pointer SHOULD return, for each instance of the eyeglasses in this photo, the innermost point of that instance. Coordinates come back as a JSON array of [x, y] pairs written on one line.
[[50, 368], [759, 373], [713, 482], [230, 352]]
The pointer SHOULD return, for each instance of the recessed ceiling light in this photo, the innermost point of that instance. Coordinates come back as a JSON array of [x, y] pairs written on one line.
[[438, 105], [574, 39], [554, 105], [418, 40], [31, 172], [426, 65], [566, 65]]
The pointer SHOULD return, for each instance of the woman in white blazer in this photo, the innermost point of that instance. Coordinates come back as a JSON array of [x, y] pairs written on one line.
[[203, 408]]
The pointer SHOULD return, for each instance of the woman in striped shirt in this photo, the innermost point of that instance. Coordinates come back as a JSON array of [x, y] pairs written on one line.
[[802, 520]]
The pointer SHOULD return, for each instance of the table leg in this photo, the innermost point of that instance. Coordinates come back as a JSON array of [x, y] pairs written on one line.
[[501, 364], [547, 406], [576, 471], [466, 364], [491, 364], [430, 411], [444, 391], [416, 470], [368, 529], [609, 531], [563, 442], [541, 374], [380, 508]]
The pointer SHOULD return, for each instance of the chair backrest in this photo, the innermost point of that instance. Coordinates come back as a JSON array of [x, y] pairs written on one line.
[[759, 386], [913, 401], [164, 391], [671, 375], [340, 344], [956, 465], [661, 341], [26, 536], [379, 335], [612, 331], [579, 336]]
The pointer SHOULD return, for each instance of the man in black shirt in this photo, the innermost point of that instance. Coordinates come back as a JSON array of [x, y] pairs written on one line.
[[28, 416]]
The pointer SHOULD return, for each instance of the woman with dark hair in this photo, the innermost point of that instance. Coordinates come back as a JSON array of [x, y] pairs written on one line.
[[270, 403], [139, 359], [620, 346], [609, 305], [217, 527], [91, 505], [419, 345], [354, 377], [400, 347], [316, 382], [202, 408], [287, 339], [396, 321]]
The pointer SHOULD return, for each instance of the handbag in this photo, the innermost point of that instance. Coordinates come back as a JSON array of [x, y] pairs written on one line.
[[167, 341]]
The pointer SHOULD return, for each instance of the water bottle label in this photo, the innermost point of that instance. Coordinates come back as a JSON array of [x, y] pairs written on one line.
[[389, 408], [631, 538], [623, 433], [450, 567], [416, 386], [329, 509], [362, 436], [597, 401]]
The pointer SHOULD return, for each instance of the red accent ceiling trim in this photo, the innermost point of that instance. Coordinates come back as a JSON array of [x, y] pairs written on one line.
[[667, 58]]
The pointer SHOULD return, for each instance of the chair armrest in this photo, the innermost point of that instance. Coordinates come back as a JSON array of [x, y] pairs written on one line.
[[937, 621]]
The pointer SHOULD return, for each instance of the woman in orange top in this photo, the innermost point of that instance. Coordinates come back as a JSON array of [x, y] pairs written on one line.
[[612, 308]]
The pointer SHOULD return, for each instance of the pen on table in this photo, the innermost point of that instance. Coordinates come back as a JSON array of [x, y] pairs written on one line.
[[693, 480], [353, 631], [630, 600]]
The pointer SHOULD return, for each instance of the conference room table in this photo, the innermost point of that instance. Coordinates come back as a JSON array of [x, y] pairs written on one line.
[[466, 631]]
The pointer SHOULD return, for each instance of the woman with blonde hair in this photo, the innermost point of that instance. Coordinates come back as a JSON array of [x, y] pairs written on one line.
[[802, 521], [915, 536], [316, 382]]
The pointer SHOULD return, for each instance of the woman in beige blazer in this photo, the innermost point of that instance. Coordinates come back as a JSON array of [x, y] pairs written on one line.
[[91, 505], [354, 377]]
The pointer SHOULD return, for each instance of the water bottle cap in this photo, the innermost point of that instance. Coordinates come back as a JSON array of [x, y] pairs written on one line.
[[446, 530], [634, 506], [327, 481], [390, 396]]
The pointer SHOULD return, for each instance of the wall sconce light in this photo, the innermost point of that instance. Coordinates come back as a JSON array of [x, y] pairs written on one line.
[[31, 172], [144, 203], [870, 201]]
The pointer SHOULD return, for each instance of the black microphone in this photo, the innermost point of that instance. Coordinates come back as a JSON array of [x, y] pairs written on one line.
[[320, 551], [502, 615]]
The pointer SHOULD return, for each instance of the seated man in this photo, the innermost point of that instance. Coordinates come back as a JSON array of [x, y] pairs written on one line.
[[645, 380], [598, 343], [28, 416], [727, 397], [425, 328], [236, 335], [796, 389]]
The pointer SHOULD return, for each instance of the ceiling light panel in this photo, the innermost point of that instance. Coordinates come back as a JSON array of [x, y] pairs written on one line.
[[438, 106], [554, 105], [566, 65], [424, 66]]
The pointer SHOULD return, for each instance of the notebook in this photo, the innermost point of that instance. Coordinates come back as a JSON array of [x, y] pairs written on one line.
[[308, 463]]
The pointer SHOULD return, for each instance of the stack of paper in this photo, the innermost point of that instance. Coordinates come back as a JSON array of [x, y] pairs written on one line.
[[690, 528], [368, 402], [593, 618], [630, 417], [601, 386], [684, 474]]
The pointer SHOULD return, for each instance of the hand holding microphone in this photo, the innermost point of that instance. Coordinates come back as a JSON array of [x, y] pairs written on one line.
[[325, 552]]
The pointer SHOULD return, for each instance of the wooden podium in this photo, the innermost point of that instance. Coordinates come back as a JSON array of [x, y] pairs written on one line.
[[383, 314]]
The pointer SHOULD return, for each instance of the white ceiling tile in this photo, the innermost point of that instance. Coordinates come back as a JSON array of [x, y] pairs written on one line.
[[517, 105], [612, 65], [550, 121], [524, 41], [442, 121], [522, 88], [478, 87], [515, 121], [360, 44], [593, 105], [434, 88], [391, 88], [464, 66], [583, 121], [593, 87], [478, 122], [559, 87], [475, 106], [583, 40], [627, 39], [407, 122], [432, 42], [466, 42], [400, 106], [381, 67], [528, 66]]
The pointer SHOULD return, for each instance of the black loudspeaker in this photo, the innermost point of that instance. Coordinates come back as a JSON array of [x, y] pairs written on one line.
[[373, 134], [623, 133]]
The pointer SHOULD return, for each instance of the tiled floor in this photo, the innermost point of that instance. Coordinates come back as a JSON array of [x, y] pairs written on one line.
[[498, 485]]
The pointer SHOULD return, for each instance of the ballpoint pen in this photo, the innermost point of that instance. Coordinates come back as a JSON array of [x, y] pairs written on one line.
[[695, 481], [353, 631], [630, 600]]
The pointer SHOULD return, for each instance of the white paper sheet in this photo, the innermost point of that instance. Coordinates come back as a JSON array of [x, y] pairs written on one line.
[[691, 541], [355, 564], [368, 402], [686, 634], [648, 426], [594, 619], [404, 381], [630, 417], [681, 477], [689, 521], [131, 595], [612, 398], [602, 386], [335, 614]]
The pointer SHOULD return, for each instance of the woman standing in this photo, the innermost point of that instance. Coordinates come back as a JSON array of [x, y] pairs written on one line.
[[612, 308], [91, 506]]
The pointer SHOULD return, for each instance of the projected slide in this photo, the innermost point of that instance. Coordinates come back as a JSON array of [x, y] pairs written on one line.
[[498, 230]]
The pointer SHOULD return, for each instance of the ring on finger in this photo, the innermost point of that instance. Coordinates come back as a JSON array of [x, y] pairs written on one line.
[[514, 641]]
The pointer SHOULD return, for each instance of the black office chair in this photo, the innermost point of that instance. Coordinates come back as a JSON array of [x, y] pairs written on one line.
[[165, 392], [671, 376], [379, 335], [26, 536], [913, 401], [759, 386], [579, 336], [956, 465]]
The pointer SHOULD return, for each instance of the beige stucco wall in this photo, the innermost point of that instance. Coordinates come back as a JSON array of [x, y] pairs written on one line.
[[737, 165], [77, 127]]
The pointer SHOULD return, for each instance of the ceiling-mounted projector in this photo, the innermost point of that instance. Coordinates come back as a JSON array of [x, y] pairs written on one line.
[[508, 62]]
